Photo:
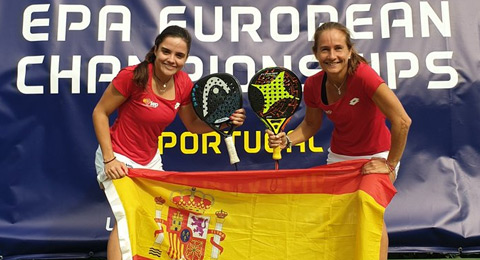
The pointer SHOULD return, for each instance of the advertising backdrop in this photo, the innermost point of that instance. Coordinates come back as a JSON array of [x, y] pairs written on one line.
[[58, 56]]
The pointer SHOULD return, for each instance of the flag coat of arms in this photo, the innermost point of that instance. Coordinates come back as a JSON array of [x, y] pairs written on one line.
[[324, 213]]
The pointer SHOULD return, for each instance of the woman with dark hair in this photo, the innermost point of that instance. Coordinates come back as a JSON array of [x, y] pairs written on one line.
[[357, 100], [148, 97]]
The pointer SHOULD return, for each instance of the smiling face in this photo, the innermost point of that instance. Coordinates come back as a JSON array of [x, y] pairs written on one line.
[[332, 52], [171, 55]]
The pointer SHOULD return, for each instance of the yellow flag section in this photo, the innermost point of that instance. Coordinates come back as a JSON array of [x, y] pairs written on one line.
[[325, 213]]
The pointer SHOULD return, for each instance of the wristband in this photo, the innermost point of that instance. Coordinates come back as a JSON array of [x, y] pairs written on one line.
[[109, 161], [390, 168], [289, 142]]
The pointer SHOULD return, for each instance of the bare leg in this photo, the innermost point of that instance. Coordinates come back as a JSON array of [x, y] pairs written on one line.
[[113, 246], [384, 243]]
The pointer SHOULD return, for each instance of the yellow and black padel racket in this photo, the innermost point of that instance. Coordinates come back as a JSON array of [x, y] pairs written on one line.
[[275, 94]]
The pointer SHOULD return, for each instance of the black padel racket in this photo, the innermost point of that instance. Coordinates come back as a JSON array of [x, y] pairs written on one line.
[[275, 94], [215, 98]]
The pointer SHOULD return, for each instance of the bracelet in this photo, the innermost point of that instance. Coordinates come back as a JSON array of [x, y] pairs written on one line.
[[289, 142], [109, 161], [390, 168]]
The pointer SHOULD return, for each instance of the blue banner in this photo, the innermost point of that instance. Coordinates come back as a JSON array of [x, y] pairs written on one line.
[[59, 56]]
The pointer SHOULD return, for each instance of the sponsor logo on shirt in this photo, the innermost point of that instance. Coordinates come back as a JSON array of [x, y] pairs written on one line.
[[354, 101], [149, 103], [177, 105]]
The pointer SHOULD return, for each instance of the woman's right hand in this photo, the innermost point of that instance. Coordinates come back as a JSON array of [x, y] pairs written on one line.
[[116, 169], [279, 140]]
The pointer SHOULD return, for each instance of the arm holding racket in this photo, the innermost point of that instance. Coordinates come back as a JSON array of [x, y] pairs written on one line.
[[276, 140], [307, 128]]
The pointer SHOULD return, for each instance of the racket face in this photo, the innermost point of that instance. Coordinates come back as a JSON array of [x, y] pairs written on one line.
[[275, 94], [215, 97]]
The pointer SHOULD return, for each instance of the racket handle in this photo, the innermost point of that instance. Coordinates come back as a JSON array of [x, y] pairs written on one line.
[[277, 153], [232, 152]]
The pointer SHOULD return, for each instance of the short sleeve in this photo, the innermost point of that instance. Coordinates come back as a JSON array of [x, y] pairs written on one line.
[[185, 86], [123, 81], [370, 78], [312, 90]]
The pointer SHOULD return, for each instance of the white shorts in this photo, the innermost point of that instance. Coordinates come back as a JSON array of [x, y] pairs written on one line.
[[154, 164], [335, 157]]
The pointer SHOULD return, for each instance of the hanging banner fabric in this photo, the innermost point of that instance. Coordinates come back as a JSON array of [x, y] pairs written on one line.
[[329, 212]]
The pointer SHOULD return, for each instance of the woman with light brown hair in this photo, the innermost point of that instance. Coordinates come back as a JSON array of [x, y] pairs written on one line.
[[358, 102]]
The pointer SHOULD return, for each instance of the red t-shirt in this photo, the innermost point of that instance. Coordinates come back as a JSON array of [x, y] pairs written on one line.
[[359, 126], [144, 115]]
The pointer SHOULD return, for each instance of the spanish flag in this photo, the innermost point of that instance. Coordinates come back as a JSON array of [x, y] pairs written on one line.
[[324, 213]]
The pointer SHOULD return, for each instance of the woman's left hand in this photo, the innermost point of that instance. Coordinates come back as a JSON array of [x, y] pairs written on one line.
[[378, 166], [238, 117]]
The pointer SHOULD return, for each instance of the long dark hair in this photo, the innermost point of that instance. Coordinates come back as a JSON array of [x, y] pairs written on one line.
[[140, 74], [355, 58]]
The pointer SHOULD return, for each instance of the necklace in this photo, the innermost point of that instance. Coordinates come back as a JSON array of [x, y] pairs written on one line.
[[339, 88], [162, 87]]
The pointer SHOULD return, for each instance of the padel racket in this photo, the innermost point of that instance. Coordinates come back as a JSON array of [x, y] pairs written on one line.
[[275, 94], [215, 98]]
